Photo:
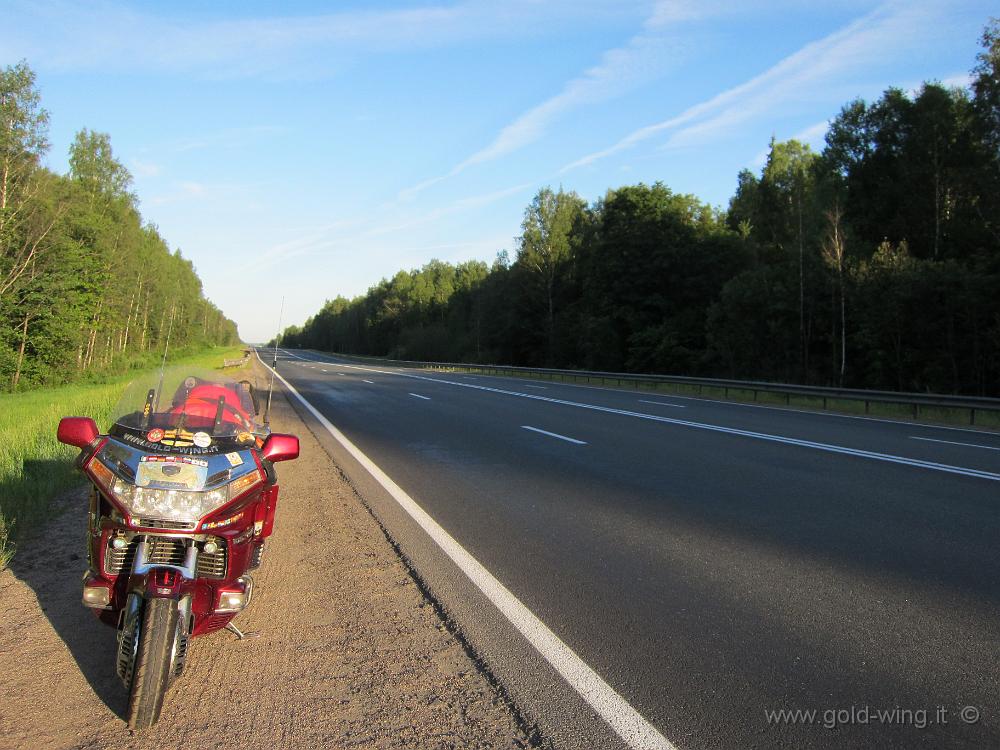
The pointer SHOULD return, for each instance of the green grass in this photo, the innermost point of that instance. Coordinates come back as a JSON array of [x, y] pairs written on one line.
[[34, 467]]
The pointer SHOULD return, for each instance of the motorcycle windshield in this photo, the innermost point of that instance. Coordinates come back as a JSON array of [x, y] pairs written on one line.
[[188, 410]]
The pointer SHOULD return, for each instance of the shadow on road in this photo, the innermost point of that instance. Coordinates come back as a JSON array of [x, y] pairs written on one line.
[[52, 561]]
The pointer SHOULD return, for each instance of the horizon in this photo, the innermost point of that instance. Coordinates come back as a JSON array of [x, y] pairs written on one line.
[[335, 149]]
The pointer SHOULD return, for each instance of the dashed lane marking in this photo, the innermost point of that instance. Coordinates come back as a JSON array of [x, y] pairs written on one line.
[[554, 434]]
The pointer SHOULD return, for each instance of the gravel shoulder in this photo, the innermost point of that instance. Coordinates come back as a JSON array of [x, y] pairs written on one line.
[[351, 653]]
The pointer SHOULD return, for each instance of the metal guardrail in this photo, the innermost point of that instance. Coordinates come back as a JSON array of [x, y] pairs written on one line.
[[236, 362], [916, 401]]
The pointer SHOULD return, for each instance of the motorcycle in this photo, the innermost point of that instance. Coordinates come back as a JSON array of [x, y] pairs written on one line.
[[183, 497]]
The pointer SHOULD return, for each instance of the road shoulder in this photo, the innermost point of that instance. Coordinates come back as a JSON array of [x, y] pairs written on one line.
[[350, 653]]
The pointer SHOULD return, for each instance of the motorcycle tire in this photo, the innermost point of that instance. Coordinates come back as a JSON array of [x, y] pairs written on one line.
[[151, 674]]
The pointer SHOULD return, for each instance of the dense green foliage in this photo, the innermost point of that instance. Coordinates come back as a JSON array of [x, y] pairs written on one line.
[[85, 286], [875, 263], [34, 466]]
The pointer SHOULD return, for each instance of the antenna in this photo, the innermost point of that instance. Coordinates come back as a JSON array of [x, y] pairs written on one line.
[[163, 363], [274, 365]]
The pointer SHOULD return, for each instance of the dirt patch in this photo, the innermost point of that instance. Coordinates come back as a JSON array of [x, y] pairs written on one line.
[[350, 652]]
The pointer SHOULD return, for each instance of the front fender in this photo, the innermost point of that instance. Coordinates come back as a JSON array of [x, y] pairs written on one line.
[[159, 583]]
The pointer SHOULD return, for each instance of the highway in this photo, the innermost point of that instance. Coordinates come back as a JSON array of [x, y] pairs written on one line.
[[700, 566]]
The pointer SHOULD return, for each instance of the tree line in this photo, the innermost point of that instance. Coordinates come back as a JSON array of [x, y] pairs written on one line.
[[86, 286], [874, 263]]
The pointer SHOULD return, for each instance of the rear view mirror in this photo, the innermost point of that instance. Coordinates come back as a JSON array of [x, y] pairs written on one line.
[[279, 447], [77, 431]]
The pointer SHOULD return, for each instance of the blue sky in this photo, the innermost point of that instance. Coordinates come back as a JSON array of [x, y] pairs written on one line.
[[319, 147]]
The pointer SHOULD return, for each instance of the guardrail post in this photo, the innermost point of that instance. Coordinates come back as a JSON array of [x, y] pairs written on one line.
[[972, 416]]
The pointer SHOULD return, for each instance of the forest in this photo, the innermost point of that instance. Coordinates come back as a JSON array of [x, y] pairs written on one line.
[[874, 264], [86, 286]]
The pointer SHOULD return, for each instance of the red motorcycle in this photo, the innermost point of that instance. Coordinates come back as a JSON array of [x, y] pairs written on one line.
[[184, 494]]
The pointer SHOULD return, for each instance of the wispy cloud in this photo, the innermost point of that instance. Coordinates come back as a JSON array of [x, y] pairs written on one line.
[[310, 241], [811, 136], [192, 190], [959, 80], [363, 231], [462, 204], [231, 138], [646, 56], [142, 168], [852, 47], [115, 35], [813, 133]]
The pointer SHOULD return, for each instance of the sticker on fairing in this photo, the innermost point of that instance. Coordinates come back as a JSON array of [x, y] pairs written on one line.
[[172, 472], [235, 459], [177, 438], [202, 439]]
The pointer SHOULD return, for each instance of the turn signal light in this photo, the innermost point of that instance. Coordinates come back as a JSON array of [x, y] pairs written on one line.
[[232, 601], [96, 594]]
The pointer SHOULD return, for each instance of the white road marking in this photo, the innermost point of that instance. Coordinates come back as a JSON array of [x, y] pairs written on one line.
[[322, 370], [417, 395], [952, 442], [554, 434], [793, 410], [889, 458], [886, 457], [662, 403], [627, 723], [367, 381], [539, 387]]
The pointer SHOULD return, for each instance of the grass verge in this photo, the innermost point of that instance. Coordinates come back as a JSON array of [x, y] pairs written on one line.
[[34, 466]]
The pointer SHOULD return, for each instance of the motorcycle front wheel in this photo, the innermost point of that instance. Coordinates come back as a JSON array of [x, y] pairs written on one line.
[[153, 662]]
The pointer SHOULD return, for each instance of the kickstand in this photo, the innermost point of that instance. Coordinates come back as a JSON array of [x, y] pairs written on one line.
[[240, 635]]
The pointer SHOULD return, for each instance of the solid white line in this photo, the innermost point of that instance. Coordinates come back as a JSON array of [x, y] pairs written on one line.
[[792, 410], [627, 723], [554, 434], [417, 395], [662, 403], [539, 387], [887, 457], [952, 442]]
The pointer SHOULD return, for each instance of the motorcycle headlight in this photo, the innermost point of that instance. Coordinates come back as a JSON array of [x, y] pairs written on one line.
[[185, 506]]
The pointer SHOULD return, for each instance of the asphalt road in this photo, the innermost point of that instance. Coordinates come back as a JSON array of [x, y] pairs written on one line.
[[711, 562]]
